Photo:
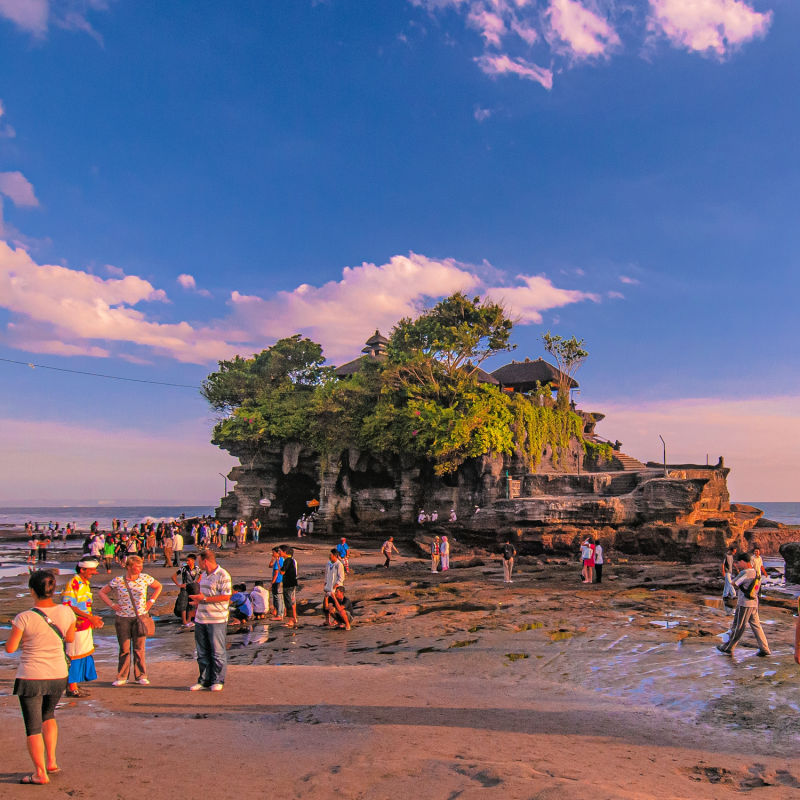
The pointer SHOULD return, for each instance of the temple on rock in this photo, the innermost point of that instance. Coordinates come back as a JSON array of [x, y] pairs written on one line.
[[585, 487]]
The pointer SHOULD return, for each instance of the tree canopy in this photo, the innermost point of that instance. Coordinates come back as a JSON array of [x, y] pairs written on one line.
[[424, 400]]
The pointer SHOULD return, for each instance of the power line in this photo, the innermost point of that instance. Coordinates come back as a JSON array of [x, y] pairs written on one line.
[[98, 374]]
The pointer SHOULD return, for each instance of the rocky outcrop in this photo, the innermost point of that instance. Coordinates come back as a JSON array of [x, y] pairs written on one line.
[[790, 551], [682, 514]]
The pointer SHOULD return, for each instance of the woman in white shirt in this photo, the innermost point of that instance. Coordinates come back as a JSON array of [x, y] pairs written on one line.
[[42, 675]]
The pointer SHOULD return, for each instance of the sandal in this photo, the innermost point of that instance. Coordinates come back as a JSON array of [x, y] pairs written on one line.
[[29, 780], [77, 693]]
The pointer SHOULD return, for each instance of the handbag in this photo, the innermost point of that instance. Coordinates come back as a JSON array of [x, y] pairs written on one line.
[[145, 624], [57, 630]]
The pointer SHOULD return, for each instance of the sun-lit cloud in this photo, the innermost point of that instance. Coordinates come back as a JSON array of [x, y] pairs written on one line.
[[536, 293], [628, 280], [6, 131], [565, 33], [717, 26], [756, 436], [581, 31], [17, 188], [36, 16], [63, 311], [70, 311], [503, 65]]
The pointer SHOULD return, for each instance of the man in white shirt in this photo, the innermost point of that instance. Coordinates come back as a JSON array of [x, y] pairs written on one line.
[[598, 563], [211, 623], [177, 548]]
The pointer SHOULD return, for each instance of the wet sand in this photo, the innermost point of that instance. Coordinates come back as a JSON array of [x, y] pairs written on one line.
[[449, 686]]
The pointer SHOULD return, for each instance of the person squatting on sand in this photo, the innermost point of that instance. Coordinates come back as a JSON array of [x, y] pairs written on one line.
[[211, 622], [43, 633], [747, 583], [340, 609], [133, 622], [78, 595]]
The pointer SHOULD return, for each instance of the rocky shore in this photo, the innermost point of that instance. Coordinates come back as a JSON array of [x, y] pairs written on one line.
[[451, 682]]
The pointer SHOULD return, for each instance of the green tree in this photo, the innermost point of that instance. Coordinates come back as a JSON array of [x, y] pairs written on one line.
[[569, 354]]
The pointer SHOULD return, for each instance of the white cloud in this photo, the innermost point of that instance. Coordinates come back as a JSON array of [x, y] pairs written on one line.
[[65, 311], [75, 309], [628, 280], [30, 15], [482, 114], [6, 131], [18, 189], [568, 32], [187, 281], [717, 26], [615, 295], [584, 33], [36, 16], [115, 272], [504, 65], [525, 303], [756, 436]]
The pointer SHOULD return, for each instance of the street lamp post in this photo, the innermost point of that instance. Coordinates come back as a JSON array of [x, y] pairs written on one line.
[[225, 478], [665, 453]]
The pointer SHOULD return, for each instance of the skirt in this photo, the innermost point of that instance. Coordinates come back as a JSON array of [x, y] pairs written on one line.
[[26, 687]]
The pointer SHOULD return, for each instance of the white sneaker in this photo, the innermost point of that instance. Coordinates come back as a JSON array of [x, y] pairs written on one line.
[[120, 682], [143, 682], [196, 687], [217, 687]]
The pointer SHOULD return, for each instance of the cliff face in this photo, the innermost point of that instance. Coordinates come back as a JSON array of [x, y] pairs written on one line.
[[686, 512]]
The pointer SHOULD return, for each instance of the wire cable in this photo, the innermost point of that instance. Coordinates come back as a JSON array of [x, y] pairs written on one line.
[[98, 374]]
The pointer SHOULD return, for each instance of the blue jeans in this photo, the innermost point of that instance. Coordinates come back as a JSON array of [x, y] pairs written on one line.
[[209, 638]]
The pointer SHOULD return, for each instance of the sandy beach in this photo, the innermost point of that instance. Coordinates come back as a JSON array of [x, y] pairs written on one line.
[[449, 686]]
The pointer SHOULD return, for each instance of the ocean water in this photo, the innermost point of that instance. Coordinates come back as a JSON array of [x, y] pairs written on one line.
[[84, 516], [788, 513]]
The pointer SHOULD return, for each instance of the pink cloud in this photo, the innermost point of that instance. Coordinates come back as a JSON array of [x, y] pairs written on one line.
[[583, 32], [505, 65], [536, 294], [187, 281], [707, 25], [490, 25], [52, 303], [18, 189], [30, 15]]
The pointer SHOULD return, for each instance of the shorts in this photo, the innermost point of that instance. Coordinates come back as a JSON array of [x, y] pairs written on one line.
[[289, 595], [38, 700], [241, 616], [588, 562]]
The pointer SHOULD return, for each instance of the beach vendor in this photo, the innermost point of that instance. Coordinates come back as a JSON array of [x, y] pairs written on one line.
[[78, 595]]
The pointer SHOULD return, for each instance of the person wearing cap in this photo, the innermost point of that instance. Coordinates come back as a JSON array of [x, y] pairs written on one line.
[[78, 595]]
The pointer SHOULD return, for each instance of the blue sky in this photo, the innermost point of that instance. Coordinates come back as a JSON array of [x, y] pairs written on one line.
[[182, 182]]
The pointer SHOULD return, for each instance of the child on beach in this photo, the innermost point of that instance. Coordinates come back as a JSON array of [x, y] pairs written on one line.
[[241, 609]]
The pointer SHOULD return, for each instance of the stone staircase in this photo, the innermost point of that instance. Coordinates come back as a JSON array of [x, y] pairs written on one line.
[[628, 463]]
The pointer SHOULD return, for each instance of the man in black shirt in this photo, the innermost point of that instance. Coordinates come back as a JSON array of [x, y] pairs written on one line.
[[340, 612], [509, 553], [289, 573]]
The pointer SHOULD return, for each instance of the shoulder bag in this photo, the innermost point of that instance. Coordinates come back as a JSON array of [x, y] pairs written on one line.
[[145, 624], [58, 632]]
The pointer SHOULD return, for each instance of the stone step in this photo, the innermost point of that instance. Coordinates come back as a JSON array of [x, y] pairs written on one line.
[[629, 463]]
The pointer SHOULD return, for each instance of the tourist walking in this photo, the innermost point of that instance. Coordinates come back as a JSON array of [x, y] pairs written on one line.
[[177, 548], [168, 546], [210, 623], [444, 552], [388, 549], [344, 550], [133, 622], [747, 583], [728, 589], [509, 553], [43, 633], [78, 595], [435, 554]]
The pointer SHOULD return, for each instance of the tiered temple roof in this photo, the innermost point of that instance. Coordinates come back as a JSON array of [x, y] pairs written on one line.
[[522, 376]]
